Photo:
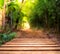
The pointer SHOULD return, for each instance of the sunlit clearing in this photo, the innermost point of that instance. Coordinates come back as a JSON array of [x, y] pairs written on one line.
[[25, 24], [20, 1], [33, 1]]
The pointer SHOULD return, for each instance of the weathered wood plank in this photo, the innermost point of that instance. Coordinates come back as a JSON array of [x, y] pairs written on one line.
[[29, 52]]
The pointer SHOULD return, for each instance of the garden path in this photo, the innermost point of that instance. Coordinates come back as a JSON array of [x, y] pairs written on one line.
[[32, 42]]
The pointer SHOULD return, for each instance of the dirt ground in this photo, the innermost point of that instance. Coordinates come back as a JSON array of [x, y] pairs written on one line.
[[38, 34], [32, 41]]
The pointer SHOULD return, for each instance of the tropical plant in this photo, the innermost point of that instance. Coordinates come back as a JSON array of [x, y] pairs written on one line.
[[13, 15], [5, 37]]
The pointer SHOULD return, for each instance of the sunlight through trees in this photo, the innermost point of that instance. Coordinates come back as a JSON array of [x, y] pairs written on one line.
[[38, 13]]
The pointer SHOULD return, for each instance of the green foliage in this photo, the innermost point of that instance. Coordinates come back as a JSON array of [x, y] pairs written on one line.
[[35, 13], [36, 19], [11, 36], [58, 15], [14, 14], [43, 14], [39, 13], [27, 7], [5, 37], [1, 3]]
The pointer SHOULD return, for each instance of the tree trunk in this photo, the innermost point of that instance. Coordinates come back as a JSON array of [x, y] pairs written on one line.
[[3, 15], [46, 20]]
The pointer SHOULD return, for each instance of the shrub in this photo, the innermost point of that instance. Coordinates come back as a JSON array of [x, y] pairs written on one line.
[[13, 15], [5, 37]]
